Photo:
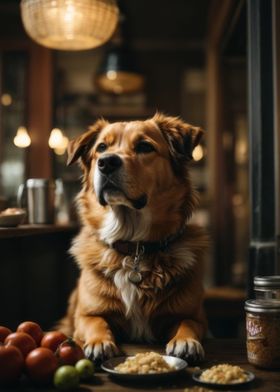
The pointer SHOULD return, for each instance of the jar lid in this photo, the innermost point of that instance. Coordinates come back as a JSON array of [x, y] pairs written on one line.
[[40, 182], [267, 281], [262, 305]]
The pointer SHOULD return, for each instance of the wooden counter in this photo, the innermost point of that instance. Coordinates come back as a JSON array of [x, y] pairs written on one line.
[[30, 230], [217, 351]]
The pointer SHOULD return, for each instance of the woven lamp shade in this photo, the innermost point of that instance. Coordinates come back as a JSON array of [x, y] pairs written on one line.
[[70, 24]]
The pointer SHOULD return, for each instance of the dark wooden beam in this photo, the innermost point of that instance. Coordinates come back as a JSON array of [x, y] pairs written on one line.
[[219, 17], [40, 111], [276, 66], [261, 135]]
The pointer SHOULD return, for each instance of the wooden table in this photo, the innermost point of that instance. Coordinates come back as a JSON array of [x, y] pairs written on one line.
[[217, 351]]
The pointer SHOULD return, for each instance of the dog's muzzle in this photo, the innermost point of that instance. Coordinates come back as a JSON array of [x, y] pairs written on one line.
[[108, 183]]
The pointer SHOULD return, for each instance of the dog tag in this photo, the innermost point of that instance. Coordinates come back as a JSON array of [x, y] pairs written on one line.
[[135, 277]]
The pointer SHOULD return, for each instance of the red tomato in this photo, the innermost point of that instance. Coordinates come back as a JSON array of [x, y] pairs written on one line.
[[53, 339], [4, 332], [11, 364], [32, 329], [40, 365], [21, 340], [69, 352]]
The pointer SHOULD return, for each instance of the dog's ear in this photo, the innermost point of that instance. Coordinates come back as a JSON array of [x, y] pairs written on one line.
[[79, 147], [181, 137]]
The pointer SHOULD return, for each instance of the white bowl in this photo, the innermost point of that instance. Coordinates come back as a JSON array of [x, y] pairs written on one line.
[[12, 217], [178, 365]]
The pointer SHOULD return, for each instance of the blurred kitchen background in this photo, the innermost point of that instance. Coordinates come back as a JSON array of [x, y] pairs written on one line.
[[184, 58]]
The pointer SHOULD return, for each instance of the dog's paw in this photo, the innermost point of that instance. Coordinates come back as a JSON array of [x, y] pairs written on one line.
[[189, 349], [98, 351]]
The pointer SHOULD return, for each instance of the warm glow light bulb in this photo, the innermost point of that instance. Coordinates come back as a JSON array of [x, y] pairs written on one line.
[[56, 138], [198, 153], [112, 75], [62, 148], [22, 139], [58, 141], [6, 99], [69, 13]]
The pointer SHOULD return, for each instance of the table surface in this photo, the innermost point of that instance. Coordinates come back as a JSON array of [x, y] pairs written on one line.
[[217, 351]]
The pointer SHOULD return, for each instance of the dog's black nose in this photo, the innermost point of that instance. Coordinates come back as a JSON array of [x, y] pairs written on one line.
[[109, 163]]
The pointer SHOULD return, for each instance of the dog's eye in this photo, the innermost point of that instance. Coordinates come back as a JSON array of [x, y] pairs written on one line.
[[101, 147], [144, 147]]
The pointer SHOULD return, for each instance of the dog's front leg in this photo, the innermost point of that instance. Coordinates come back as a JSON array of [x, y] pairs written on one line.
[[98, 339], [185, 342]]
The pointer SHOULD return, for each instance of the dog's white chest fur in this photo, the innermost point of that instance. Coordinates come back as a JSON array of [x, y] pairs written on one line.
[[130, 294]]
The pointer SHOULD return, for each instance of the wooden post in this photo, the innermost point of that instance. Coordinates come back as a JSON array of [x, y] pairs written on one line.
[[40, 111], [276, 66], [219, 17], [261, 135]]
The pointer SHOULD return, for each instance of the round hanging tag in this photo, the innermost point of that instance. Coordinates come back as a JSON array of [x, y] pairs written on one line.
[[135, 277]]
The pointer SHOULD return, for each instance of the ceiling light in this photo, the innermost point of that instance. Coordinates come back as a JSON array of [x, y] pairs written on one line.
[[118, 73], [22, 138], [70, 24], [58, 141], [63, 146], [56, 138], [198, 153], [6, 99]]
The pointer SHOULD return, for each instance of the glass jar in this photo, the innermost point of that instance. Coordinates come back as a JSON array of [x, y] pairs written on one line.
[[267, 287], [263, 332]]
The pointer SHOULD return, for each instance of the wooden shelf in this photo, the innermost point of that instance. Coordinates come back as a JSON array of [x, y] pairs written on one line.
[[31, 230]]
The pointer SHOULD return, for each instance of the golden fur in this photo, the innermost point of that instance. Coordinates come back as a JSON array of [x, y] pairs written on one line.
[[154, 200]]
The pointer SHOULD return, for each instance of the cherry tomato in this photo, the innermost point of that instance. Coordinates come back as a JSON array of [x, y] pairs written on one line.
[[85, 369], [21, 340], [53, 339], [11, 364], [69, 352], [32, 329], [4, 332], [40, 365], [66, 377]]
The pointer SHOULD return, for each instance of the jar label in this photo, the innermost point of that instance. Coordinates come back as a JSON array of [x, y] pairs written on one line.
[[254, 329]]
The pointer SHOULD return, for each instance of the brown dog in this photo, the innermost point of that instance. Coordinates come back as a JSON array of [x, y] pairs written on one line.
[[140, 262]]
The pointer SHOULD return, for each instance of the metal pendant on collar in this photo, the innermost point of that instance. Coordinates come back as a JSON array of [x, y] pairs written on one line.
[[135, 275]]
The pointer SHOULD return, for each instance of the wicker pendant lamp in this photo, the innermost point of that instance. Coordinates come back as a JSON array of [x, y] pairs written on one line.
[[69, 24]]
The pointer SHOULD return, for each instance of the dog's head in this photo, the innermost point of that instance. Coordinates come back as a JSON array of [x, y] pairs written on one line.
[[137, 164]]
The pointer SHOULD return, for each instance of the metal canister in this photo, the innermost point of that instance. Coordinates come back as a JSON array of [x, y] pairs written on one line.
[[267, 287], [40, 200], [263, 332]]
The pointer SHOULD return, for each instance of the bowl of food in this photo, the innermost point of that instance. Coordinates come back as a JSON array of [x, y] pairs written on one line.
[[223, 375], [12, 217], [144, 366]]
